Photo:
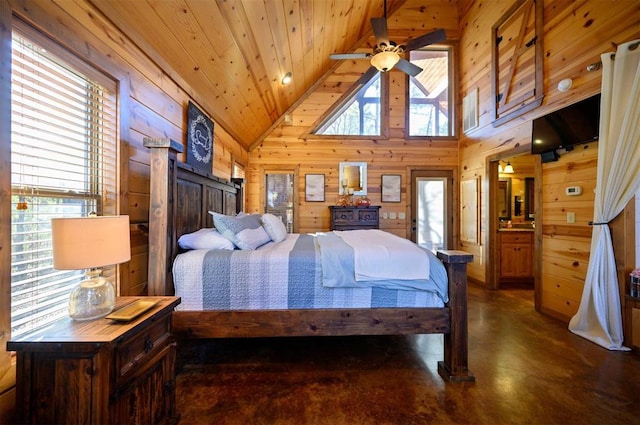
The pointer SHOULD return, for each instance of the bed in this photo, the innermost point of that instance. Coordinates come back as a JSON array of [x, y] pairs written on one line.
[[181, 197]]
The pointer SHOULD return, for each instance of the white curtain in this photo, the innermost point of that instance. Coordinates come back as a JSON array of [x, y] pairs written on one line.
[[618, 177]]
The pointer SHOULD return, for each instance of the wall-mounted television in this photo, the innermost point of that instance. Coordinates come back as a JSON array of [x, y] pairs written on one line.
[[564, 128]]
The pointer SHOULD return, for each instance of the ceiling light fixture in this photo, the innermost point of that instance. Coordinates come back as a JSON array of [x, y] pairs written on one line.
[[286, 79], [385, 60], [565, 85]]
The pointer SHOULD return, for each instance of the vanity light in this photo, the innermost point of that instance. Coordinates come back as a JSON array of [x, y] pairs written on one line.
[[508, 169]]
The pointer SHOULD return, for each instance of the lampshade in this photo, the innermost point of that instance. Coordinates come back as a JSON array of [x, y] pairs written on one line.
[[384, 61], [508, 169], [88, 242]]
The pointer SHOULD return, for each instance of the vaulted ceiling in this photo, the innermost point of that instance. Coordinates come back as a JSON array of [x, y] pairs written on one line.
[[233, 53]]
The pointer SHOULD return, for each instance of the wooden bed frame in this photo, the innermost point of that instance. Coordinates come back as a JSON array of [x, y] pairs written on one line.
[[180, 198]]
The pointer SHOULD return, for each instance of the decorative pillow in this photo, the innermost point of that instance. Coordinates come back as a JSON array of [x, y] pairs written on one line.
[[205, 239], [245, 232], [274, 227]]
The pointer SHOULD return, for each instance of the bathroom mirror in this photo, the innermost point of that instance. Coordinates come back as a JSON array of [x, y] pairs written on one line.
[[353, 178], [504, 199], [529, 198]]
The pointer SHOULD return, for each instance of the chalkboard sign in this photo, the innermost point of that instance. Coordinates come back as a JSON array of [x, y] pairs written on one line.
[[199, 139]]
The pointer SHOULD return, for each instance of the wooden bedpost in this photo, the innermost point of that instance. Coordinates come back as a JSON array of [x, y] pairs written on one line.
[[455, 367], [161, 227]]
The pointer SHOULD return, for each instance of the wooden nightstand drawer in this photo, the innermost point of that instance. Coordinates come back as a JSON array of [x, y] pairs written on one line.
[[136, 349]]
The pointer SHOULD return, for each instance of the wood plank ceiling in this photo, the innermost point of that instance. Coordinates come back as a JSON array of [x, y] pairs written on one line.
[[233, 53]]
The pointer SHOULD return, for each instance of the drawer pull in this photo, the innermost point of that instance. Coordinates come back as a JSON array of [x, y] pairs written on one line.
[[148, 344]]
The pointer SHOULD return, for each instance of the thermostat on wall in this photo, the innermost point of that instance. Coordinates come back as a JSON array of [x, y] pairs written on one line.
[[573, 190]]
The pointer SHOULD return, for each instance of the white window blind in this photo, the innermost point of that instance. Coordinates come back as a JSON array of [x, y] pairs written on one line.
[[63, 164]]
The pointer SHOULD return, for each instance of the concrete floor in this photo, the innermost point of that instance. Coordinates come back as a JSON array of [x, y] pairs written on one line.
[[529, 370]]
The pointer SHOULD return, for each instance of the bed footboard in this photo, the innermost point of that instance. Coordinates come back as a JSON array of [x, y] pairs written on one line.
[[455, 366]]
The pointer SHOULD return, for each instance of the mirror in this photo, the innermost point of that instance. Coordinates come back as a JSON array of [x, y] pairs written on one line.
[[529, 198], [353, 178], [504, 199]]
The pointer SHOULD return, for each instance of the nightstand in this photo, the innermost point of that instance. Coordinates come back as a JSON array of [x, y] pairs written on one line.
[[99, 371]]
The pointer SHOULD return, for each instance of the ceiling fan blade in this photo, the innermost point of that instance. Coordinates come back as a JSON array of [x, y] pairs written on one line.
[[436, 36], [379, 26], [339, 56], [408, 68]]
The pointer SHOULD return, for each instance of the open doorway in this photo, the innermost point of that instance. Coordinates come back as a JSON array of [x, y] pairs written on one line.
[[515, 185]]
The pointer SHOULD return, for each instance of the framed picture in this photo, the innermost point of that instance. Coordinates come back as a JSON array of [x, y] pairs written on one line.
[[391, 187], [470, 110], [199, 139], [314, 188]]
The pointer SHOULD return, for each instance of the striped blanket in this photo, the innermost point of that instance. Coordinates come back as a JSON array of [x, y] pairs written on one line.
[[287, 275]]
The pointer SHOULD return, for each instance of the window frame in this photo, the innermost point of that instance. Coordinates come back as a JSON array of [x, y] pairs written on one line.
[[454, 125], [106, 200]]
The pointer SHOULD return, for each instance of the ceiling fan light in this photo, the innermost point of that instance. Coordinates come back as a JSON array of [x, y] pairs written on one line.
[[384, 61]]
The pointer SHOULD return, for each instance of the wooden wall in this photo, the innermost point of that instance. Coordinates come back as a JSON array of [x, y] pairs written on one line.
[[151, 105], [291, 147], [575, 34]]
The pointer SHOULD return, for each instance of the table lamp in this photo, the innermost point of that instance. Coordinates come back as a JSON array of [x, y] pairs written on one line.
[[90, 243]]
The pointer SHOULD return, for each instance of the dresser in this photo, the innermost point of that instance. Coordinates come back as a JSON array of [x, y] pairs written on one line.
[[100, 371], [352, 218]]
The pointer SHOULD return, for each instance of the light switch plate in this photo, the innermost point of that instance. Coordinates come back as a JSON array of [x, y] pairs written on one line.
[[392, 216], [402, 216], [571, 217], [385, 215]]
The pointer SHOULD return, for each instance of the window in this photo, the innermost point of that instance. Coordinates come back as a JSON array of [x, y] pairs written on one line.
[[430, 96], [279, 198], [63, 164], [360, 112]]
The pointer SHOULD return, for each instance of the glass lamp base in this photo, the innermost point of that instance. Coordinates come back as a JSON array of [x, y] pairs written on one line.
[[93, 299]]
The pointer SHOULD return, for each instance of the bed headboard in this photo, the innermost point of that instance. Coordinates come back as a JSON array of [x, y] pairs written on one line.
[[180, 198]]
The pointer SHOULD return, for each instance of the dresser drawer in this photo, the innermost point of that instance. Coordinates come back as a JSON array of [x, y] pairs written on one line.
[[366, 216], [344, 216], [139, 348]]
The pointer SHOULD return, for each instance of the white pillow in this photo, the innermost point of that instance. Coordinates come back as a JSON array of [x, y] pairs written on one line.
[[205, 239], [274, 227], [245, 232]]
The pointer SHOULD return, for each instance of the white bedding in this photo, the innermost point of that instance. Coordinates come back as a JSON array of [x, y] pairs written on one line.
[[380, 255]]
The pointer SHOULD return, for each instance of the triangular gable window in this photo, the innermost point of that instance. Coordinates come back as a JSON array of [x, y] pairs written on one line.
[[359, 113]]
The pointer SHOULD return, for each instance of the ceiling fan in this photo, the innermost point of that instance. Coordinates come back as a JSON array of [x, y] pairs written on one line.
[[386, 53]]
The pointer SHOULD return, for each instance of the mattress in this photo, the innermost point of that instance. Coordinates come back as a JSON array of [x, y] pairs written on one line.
[[289, 275]]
